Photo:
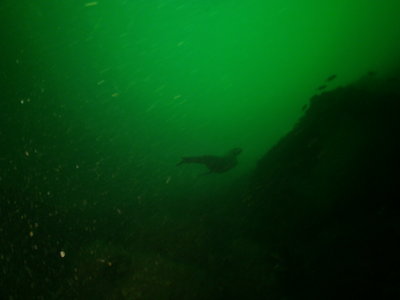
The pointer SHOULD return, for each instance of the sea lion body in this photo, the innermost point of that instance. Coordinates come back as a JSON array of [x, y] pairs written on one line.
[[215, 164]]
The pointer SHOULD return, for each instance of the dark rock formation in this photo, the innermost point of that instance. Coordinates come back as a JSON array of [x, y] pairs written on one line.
[[325, 198]]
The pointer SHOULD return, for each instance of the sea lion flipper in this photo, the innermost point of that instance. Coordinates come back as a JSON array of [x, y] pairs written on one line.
[[184, 160]]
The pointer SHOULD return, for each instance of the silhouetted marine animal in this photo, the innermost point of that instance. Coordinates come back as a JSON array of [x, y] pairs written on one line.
[[330, 78], [215, 164]]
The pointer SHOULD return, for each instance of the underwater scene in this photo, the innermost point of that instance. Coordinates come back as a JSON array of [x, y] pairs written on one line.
[[199, 150]]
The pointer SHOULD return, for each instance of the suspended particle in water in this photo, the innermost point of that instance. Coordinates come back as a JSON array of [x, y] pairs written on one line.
[[94, 3]]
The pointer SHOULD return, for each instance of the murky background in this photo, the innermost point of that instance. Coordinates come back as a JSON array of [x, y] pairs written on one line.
[[99, 102]]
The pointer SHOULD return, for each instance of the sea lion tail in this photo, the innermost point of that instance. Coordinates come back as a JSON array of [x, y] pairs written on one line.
[[183, 160]]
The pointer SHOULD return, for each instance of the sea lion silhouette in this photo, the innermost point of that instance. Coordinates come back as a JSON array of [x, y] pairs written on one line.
[[215, 164]]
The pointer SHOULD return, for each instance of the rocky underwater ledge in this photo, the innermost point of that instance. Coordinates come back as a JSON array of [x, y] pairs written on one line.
[[324, 200]]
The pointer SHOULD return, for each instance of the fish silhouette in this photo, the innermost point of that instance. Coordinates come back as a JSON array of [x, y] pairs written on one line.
[[330, 78], [215, 164]]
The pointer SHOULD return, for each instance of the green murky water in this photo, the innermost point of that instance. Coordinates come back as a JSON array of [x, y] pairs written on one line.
[[101, 99]]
